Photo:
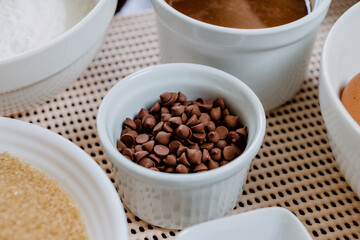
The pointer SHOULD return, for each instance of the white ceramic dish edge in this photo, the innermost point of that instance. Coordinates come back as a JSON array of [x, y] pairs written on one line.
[[81, 176]]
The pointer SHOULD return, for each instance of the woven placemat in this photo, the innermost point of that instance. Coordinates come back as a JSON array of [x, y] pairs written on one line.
[[295, 167]]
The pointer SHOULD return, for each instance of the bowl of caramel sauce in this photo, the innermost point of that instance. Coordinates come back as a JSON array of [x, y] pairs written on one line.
[[339, 93], [266, 44]]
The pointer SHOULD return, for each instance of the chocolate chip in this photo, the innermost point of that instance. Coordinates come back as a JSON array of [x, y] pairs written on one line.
[[222, 131], [130, 123], [183, 132], [167, 127], [194, 156], [142, 113], [176, 120], [215, 154], [180, 168], [174, 145], [120, 146], [229, 153], [199, 136], [206, 106], [138, 125], [180, 150], [158, 127], [205, 156], [155, 158], [138, 148], [213, 164], [184, 118], [142, 138], [215, 114], [148, 122], [161, 150], [183, 160], [204, 118], [234, 137], [181, 97], [165, 97], [146, 162], [213, 137], [219, 102], [164, 110], [155, 108], [198, 128], [163, 138], [178, 110], [128, 152], [140, 155], [200, 168], [231, 121], [226, 112], [128, 139], [165, 117], [170, 160], [207, 146], [194, 146], [193, 110], [221, 144], [148, 146], [192, 120], [242, 131], [223, 162], [170, 170], [211, 126]]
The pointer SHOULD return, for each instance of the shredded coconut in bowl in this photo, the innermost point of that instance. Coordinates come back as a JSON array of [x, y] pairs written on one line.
[[28, 24]]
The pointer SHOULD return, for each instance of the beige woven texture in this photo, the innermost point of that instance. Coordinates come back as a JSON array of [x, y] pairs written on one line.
[[295, 167]]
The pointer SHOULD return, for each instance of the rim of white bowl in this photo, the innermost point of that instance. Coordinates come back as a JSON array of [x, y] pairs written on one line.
[[326, 79], [29, 53], [231, 221], [250, 32], [83, 160], [182, 179]]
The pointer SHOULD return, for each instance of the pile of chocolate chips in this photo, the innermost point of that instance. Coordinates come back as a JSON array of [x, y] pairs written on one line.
[[180, 136]]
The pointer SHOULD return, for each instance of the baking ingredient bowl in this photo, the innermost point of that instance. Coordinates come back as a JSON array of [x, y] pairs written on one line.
[[36, 75], [179, 200], [74, 170], [271, 61], [274, 223], [340, 63]]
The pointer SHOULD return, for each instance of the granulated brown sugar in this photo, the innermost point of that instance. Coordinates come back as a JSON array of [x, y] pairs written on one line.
[[34, 206]]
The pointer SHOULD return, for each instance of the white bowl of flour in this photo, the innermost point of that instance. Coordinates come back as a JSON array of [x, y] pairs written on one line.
[[45, 45]]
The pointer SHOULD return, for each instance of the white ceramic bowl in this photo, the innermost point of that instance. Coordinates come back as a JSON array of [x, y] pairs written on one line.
[[36, 75], [273, 223], [340, 63], [271, 61], [76, 172], [176, 200]]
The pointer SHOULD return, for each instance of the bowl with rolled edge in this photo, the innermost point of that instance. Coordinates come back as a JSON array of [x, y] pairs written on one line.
[[37, 74], [339, 64], [172, 200], [75, 171]]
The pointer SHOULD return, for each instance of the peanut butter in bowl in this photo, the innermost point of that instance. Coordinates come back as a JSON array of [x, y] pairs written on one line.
[[350, 98]]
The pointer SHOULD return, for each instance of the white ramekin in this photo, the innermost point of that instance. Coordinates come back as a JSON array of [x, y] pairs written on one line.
[[174, 200], [340, 63], [36, 75], [271, 61], [75, 171]]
